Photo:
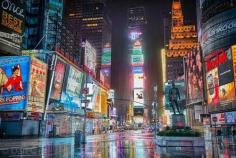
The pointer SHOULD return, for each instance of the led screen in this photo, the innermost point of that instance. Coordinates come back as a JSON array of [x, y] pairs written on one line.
[[138, 80]]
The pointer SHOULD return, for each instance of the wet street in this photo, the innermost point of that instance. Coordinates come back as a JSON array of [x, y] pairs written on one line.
[[130, 144]]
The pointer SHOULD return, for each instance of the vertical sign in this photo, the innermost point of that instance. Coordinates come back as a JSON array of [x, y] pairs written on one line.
[[37, 87], [234, 59], [12, 15]]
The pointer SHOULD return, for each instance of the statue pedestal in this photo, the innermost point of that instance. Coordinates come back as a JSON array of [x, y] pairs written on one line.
[[178, 120]]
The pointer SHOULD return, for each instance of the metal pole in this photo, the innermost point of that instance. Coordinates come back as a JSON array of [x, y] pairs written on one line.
[[155, 108], [85, 112]]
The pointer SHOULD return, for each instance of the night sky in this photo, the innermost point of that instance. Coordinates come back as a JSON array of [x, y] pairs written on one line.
[[153, 38]]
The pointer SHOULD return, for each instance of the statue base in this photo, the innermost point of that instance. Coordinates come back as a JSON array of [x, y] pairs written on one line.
[[178, 120]]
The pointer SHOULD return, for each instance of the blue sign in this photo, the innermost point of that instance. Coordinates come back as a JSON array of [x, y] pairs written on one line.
[[138, 70], [14, 81], [230, 117]]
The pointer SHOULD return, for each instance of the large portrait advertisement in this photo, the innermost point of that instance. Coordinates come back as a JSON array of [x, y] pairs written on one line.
[[14, 80], [58, 79], [194, 75], [220, 78], [72, 90], [37, 86]]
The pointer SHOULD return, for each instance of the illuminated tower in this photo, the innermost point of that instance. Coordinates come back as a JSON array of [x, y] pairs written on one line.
[[183, 39], [136, 22]]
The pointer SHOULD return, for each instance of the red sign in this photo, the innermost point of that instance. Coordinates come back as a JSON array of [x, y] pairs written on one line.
[[215, 61]]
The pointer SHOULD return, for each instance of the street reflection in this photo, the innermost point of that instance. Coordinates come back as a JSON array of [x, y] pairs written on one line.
[[114, 145]]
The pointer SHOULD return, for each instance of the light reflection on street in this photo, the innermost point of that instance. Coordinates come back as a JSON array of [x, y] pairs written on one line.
[[128, 144]]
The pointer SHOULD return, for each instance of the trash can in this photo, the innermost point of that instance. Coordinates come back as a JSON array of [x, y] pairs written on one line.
[[78, 135]]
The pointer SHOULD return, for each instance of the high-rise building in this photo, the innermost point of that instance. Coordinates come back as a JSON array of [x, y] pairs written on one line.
[[183, 39], [136, 22], [89, 19]]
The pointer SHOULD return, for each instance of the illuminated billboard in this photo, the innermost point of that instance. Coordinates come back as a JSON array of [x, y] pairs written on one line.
[[58, 79], [14, 81], [72, 90], [138, 80], [194, 73], [12, 15], [137, 70], [138, 98], [137, 60], [106, 57], [90, 57], [37, 86]]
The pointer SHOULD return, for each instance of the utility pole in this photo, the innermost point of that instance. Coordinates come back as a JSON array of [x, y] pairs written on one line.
[[155, 109]]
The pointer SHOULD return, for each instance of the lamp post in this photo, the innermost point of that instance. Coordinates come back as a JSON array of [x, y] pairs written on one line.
[[155, 109]]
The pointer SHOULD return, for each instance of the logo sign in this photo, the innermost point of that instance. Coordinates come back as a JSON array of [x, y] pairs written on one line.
[[137, 60], [135, 35], [12, 15]]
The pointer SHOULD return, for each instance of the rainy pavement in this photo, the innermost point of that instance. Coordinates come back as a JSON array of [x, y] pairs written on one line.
[[129, 144]]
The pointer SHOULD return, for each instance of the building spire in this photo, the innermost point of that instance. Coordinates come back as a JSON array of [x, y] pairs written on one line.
[[177, 14]]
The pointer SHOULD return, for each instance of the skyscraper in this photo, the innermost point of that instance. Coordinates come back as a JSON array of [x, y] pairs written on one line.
[[136, 22], [89, 19], [183, 39]]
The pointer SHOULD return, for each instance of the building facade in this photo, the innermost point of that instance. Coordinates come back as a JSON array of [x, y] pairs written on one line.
[[183, 39], [217, 38], [89, 20]]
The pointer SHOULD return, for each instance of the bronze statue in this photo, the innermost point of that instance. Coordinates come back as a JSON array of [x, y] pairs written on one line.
[[174, 95]]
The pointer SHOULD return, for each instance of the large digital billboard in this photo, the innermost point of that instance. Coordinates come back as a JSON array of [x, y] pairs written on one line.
[[106, 57], [138, 98], [90, 57], [194, 73], [220, 77], [138, 80], [14, 81], [12, 17], [137, 60], [37, 86], [72, 89], [58, 79]]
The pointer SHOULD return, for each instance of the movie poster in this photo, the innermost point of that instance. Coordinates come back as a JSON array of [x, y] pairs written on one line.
[[37, 87], [14, 80], [58, 80], [227, 92]]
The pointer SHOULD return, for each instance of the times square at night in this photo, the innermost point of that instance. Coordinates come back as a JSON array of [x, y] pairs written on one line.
[[118, 78]]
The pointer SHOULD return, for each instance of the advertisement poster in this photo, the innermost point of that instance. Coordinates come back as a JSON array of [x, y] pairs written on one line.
[[37, 86], [104, 96], [58, 80], [12, 21], [90, 57], [137, 60], [194, 76], [14, 80], [72, 90], [138, 81], [106, 57], [213, 96], [212, 79], [226, 74], [230, 117], [220, 118], [233, 48], [138, 97], [74, 81], [227, 92]]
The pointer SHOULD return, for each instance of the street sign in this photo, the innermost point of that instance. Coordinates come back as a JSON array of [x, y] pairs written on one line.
[[85, 101]]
